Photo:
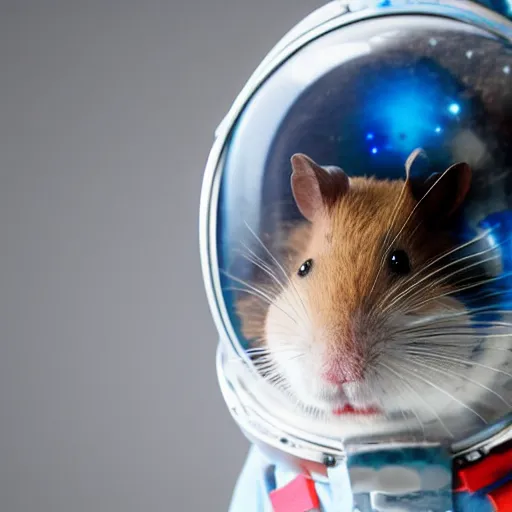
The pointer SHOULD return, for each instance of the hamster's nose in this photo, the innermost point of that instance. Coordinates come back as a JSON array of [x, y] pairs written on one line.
[[343, 374]]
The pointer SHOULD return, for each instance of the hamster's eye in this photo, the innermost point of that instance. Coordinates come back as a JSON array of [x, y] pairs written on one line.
[[398, 262], [305, 268]]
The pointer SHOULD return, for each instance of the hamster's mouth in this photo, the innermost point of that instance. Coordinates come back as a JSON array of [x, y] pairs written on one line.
[[349, 409]]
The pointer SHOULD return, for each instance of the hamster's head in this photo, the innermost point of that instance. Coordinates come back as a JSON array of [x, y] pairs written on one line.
[[370, 293]]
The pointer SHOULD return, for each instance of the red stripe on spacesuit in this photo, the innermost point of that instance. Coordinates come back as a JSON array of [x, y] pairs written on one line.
[[485, 472], [300, 494], [501, 498], [297, 496]]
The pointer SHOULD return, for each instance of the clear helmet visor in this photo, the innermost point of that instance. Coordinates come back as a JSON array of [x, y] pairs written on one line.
[[364, 283]]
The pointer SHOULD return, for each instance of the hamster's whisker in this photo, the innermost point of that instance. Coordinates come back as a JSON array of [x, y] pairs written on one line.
[[418, 375], [460, 314], [267, 369], [280, 384], [394, 214], [266, 352], [261, 294], [239, 359], [272, 374], [456, 330], [471, 334], [255, 292], [449, 325], [261, 318], [443, 348], [399, 393], [313, 412], [439, 367], [416, 206], [391, 224], [243, 282], [459, 270], [253, 350], [260, 263], [418, 282], [265, 298], [265, 360], [429, 264], [456, 346], [414, 290], [459, 290], [457, 339], [285, 274], [263, 363], [412, 234], [485, 295], [441, 356], [293, 354], [453, 250], [276, 379], [407, 383], [426, 335]]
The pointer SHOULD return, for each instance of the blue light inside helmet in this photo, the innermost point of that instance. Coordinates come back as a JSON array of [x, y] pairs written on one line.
[[501, 225], [409, 109], [501, 239], [454, 108]]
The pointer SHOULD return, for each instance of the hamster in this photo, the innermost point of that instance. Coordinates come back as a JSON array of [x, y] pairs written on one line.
[[361, 317]]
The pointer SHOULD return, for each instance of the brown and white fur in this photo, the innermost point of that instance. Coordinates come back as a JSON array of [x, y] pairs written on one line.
[[372, 326]]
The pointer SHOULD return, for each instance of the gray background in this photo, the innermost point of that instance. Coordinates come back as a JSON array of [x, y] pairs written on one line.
[[108, 395]]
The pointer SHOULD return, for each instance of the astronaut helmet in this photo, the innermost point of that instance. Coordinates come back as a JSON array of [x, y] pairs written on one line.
[[355, 229]]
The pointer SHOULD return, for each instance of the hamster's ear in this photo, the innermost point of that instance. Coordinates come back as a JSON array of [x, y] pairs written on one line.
[[441, 194], [417, 158], [316, 188]]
